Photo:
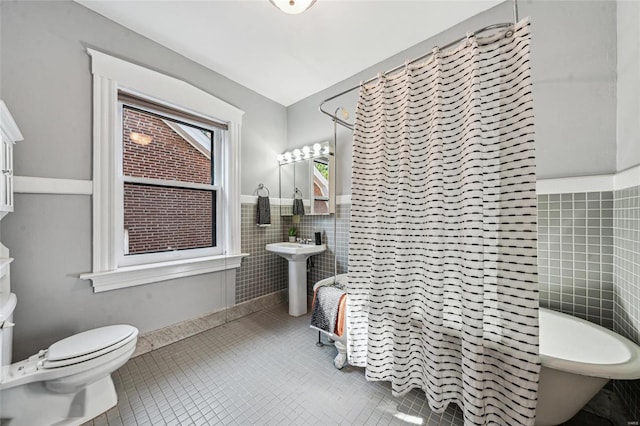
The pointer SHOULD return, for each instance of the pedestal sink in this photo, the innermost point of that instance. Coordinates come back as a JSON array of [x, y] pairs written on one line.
[[297, 255]]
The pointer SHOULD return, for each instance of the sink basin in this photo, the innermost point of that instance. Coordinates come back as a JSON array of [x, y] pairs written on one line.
[[295, 251], [297, 255]]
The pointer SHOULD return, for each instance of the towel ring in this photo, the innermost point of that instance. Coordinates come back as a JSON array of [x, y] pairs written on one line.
[[261, 187], [296, 193]]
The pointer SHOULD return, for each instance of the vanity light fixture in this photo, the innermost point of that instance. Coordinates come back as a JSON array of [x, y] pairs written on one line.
[[140, 138], [304, 153], [292, 7]]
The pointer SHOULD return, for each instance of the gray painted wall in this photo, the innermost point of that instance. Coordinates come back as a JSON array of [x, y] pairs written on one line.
[[628, 100], [574, 80], [46, 83]]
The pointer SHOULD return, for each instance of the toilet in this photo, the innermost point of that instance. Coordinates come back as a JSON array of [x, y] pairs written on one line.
[[67, 384]]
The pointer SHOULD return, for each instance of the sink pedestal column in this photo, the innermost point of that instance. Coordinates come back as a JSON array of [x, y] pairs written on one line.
[[296, 255], [297, 288]]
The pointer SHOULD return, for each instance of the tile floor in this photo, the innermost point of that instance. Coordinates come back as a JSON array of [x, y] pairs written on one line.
[[262, 369]]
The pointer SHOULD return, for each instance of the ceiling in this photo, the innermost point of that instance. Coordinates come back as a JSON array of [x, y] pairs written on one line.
[[287, 57]]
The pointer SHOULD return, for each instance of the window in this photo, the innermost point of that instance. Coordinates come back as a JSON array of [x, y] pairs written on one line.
[[170, 189], [166, 195]]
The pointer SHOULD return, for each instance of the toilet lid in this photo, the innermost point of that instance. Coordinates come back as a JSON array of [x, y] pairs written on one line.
[[88, 342]]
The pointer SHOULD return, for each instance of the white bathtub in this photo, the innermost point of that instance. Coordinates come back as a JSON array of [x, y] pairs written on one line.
[[578, 358]]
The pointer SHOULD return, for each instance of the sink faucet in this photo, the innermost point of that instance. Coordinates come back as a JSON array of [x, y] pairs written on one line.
[[304, 240]]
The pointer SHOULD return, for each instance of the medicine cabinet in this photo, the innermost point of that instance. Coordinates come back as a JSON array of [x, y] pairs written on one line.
[[307, 174]]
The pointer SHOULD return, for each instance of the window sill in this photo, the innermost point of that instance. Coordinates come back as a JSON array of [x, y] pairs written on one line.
[[155, 272]]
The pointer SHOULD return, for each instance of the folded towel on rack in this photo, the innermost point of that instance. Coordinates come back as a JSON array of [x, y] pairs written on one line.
[[328, 310], [264, 211], [298, 207]]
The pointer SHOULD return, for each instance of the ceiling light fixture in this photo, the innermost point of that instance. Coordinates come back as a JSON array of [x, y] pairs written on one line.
[[292, 7]]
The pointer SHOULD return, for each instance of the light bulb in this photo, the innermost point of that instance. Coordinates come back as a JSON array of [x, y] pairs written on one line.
[[287, 156], [325, 150], [297, 153], [280, 158], [316, 148]]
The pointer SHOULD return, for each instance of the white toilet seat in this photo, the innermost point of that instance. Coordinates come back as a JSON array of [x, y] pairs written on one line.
[[87, 345]]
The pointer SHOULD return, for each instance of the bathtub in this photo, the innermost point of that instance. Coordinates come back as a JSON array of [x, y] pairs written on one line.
[[578, 358]]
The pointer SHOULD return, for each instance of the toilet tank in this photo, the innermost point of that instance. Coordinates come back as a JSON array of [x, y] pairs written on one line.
[[7, 306]]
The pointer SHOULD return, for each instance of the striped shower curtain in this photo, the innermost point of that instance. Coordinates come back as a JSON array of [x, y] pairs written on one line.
[[442, 286]]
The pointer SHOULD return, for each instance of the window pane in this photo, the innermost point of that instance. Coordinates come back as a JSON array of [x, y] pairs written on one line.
[[163, 219], [161, 148]]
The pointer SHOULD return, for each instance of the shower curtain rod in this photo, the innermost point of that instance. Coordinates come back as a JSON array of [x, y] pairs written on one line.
[[392, 70]]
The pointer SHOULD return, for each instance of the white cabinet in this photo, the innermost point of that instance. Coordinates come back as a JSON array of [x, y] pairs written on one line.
[[10, 135]]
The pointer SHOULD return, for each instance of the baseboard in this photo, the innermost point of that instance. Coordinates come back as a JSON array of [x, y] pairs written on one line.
[[175, 332], [258, 304]]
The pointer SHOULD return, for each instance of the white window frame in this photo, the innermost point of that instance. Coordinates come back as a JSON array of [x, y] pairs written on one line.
[[110, 75], [144, 258]]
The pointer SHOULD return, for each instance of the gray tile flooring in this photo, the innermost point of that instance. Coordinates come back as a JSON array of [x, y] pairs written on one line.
[[262, 369]]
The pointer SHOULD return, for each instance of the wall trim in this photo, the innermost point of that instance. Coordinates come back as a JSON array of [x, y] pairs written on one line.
[[275, 201], [612, 182], [627, 178], [175, 332], [40, 185], [253, 199], [575, 184], [344, 199]]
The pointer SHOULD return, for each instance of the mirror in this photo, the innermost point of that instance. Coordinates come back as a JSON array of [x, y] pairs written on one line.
[[305, 177]]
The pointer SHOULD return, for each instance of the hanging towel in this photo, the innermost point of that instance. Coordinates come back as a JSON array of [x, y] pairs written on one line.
[[326, 304], [264, 211], [298, 207]]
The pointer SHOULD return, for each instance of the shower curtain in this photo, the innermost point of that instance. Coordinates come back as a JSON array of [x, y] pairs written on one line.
[[442, 291]]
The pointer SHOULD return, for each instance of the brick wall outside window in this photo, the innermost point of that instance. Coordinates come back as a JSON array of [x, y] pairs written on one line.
[[168, 157], [164, 218]]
